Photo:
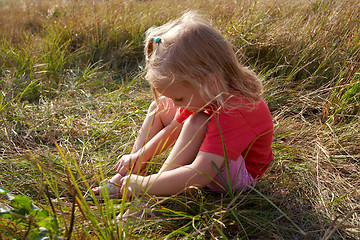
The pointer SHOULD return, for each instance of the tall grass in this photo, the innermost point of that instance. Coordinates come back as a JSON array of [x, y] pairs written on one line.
[[73, 97]]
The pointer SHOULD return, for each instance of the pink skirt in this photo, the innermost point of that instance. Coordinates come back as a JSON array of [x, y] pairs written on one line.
[[240, 178]]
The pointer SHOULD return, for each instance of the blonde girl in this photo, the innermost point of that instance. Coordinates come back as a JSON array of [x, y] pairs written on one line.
[[207, 106]]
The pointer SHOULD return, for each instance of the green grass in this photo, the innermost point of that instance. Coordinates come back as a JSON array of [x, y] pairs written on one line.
[[73, 97]]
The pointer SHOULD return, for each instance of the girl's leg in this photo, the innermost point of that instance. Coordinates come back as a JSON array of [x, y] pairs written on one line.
[[159, 115], [188, 143]]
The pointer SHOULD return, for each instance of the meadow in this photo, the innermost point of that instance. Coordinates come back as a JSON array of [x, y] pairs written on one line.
[[73, 97]]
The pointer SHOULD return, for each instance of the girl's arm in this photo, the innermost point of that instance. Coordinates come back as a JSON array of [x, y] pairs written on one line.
[[199, 173], [185, 166], [159, 143]]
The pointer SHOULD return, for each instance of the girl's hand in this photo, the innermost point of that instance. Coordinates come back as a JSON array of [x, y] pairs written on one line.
[[125, 164]]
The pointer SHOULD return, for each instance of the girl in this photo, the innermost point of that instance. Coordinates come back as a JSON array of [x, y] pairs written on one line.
[[208, 107]]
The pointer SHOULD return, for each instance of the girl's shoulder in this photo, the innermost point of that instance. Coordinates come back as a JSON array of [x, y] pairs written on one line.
[[252, 111], [239, 105], [248, 113]]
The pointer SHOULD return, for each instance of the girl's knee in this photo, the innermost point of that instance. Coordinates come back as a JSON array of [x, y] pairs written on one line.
[[152, 107], [165, 103], [163, 108]]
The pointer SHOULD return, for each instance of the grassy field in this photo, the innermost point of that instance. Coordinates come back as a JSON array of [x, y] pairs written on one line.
[[72, 98]]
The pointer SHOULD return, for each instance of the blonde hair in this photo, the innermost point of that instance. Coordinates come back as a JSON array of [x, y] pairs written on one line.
[[190, 50]]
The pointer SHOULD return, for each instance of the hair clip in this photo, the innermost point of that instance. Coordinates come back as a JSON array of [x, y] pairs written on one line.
[[157, 40]]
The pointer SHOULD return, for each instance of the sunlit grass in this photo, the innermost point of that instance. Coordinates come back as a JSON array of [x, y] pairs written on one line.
[[72, 99]]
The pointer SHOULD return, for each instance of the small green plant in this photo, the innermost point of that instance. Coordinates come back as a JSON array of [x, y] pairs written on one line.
[[345, 100], [21, 215]]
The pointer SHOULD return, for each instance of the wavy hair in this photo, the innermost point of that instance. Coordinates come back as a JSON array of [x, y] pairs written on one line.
[[191, 51]]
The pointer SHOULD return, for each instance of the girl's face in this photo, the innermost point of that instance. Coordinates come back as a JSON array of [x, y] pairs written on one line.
[[183, 95]]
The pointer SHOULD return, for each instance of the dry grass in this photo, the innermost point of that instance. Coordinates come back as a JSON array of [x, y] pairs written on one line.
[[70, 74]]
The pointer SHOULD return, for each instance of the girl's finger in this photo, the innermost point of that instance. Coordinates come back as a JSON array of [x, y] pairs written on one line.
[[119, 164], [117, 167], [123, 171], [121, 182]]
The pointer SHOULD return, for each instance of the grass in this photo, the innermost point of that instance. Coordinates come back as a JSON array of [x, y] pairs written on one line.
[[73, 98]]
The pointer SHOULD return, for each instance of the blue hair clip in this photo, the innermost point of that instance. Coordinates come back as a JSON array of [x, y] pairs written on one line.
[[157, 40]]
